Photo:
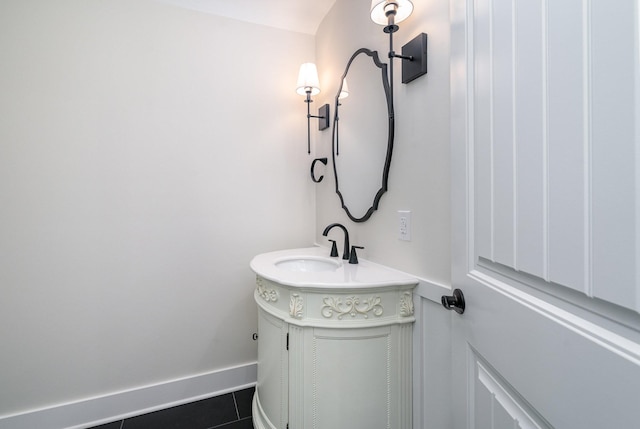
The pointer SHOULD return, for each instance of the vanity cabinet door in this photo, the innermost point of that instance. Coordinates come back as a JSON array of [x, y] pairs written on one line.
[[357, 378], [273, 370]]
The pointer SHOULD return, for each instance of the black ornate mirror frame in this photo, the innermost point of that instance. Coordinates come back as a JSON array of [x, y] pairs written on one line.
[[335, 139]]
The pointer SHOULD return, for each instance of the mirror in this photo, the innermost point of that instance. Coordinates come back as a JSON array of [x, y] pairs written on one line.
[[363, 129]]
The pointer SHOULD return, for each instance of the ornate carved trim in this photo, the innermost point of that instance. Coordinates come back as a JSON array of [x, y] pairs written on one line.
[[296, 305], [351, 307], [406, 304], [269, 295]]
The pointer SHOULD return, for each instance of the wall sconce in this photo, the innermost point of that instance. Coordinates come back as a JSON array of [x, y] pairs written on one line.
[[308, 85], [389, 13]]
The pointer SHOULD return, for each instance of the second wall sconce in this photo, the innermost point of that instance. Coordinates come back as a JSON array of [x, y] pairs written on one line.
[[308, 85]]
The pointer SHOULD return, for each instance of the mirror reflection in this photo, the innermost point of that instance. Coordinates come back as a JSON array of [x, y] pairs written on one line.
[[362, 135]]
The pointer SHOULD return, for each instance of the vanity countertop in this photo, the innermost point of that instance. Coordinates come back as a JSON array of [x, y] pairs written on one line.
[[325, 272]]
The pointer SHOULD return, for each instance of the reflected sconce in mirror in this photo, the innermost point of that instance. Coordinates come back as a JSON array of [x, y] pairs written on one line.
[[344, 89], [344, 93], [414, 54], [308, 85]]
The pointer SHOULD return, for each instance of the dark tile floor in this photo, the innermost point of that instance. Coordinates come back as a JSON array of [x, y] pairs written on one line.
[[230, 411]]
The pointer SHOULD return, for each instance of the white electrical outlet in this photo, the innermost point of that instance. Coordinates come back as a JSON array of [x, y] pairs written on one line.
[[404, 225]]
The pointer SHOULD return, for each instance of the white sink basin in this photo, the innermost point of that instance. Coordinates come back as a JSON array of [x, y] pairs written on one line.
[[308, 264]]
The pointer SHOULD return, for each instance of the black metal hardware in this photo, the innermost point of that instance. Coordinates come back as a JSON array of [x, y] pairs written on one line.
[[334, 249], [454, 302], [323, 115], [345, 252], [255, 336], [308, 100], [353, 258], [388, 92], [416, 52], [287, 341], [313, 164]]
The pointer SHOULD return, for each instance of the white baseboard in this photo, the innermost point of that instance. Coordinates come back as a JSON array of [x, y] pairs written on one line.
[[104, 409]]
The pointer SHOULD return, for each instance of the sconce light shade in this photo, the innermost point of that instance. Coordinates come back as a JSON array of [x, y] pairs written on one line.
[[308, 79], [308, 85], [344, 91], [380, 9]]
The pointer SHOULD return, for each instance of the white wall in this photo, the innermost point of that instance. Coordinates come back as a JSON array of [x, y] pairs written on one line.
[[419, 174], [146, 154]]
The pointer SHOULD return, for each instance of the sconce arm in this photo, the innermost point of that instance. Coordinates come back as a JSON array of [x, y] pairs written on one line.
[[392, 54]]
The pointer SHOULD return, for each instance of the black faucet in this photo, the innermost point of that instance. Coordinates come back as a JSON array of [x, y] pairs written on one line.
[[345, 253]]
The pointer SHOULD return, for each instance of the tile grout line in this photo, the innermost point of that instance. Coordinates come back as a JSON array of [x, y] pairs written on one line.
[[235, 403], [230, 423]]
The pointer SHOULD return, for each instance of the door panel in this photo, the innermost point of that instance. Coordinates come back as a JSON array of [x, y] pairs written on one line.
[[358, 378], [546, 237], [572, 372], [529, 119], [552, 98], [338, 356], [615, 149], [563, 62], [496, 404], [554, 147], [501, 138]]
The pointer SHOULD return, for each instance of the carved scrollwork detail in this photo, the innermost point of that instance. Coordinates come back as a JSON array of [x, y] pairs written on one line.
[[296, 306], [334, 306], [269, 295], [406, 305]]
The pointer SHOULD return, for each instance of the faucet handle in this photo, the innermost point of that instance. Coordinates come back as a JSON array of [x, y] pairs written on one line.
[[334, 248], [353, 258]]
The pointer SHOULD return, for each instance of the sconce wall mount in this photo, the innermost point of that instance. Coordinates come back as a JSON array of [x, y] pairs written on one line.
[[323, 115], [416, 49]]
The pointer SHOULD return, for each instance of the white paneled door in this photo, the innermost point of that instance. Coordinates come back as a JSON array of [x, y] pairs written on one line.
[[546, 203]]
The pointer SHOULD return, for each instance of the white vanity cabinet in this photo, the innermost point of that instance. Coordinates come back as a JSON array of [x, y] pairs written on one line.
[[334, 354]]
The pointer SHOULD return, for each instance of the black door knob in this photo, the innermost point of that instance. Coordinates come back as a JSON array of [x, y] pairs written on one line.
[[454, 302]]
